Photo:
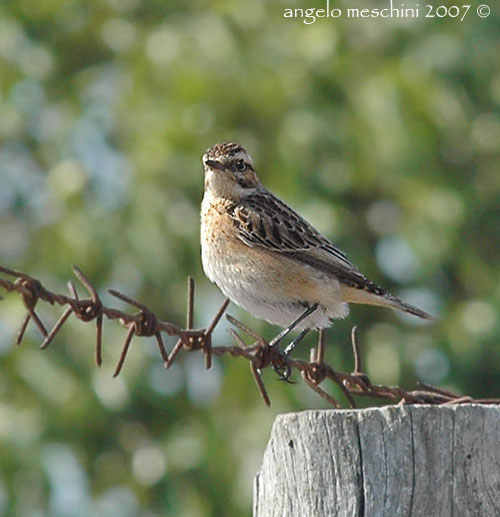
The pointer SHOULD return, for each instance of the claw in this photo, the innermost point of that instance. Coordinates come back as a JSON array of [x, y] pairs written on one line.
[[284, 372]]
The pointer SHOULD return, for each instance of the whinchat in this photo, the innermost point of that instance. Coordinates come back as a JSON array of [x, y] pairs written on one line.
[[268, 259]]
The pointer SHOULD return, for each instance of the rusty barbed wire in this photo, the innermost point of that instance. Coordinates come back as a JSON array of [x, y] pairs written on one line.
[[259, 354]]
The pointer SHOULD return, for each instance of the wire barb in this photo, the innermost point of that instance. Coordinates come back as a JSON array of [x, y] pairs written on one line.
[[355, 350], [260, 354]]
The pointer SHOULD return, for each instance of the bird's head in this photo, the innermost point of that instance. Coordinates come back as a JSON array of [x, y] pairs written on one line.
[[229, 171]]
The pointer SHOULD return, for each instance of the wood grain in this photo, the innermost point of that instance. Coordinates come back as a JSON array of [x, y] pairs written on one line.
[[399, 460]]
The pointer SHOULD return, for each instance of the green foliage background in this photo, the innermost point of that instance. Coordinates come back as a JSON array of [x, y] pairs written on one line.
[[384, 133]]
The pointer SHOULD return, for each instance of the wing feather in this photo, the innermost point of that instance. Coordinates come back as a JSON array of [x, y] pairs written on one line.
[[263, 220]]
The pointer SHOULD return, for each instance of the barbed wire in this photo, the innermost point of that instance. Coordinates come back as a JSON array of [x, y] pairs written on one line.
[[260, 353]]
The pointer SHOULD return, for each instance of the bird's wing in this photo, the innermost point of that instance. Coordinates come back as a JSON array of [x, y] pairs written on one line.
[[264, 221]]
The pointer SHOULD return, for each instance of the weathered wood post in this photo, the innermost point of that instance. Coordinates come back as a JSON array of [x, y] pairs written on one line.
[[394, 461]]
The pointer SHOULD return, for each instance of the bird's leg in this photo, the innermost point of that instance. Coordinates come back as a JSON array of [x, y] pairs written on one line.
[[285, 371], [276, 340], [296, 341]]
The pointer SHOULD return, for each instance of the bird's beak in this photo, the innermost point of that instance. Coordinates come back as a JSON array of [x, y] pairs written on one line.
[[214, 165]]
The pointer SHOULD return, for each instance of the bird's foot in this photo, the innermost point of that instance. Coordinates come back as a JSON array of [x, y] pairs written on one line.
[[284, 371]]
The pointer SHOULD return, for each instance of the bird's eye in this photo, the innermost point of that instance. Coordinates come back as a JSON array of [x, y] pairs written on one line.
[[241, 165]]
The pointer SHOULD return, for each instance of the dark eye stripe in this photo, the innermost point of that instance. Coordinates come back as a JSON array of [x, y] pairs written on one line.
[[245, 183]]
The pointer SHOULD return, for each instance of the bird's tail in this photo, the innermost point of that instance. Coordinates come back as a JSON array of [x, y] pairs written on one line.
[[397, 303], [384, 299]]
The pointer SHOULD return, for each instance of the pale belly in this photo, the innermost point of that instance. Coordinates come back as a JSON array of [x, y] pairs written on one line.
[[269, 286]]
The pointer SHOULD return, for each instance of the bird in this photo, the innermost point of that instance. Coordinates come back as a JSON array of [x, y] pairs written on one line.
[[268, 259]]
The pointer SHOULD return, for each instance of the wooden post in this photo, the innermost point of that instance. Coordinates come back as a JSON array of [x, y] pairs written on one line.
[[394, 461]]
